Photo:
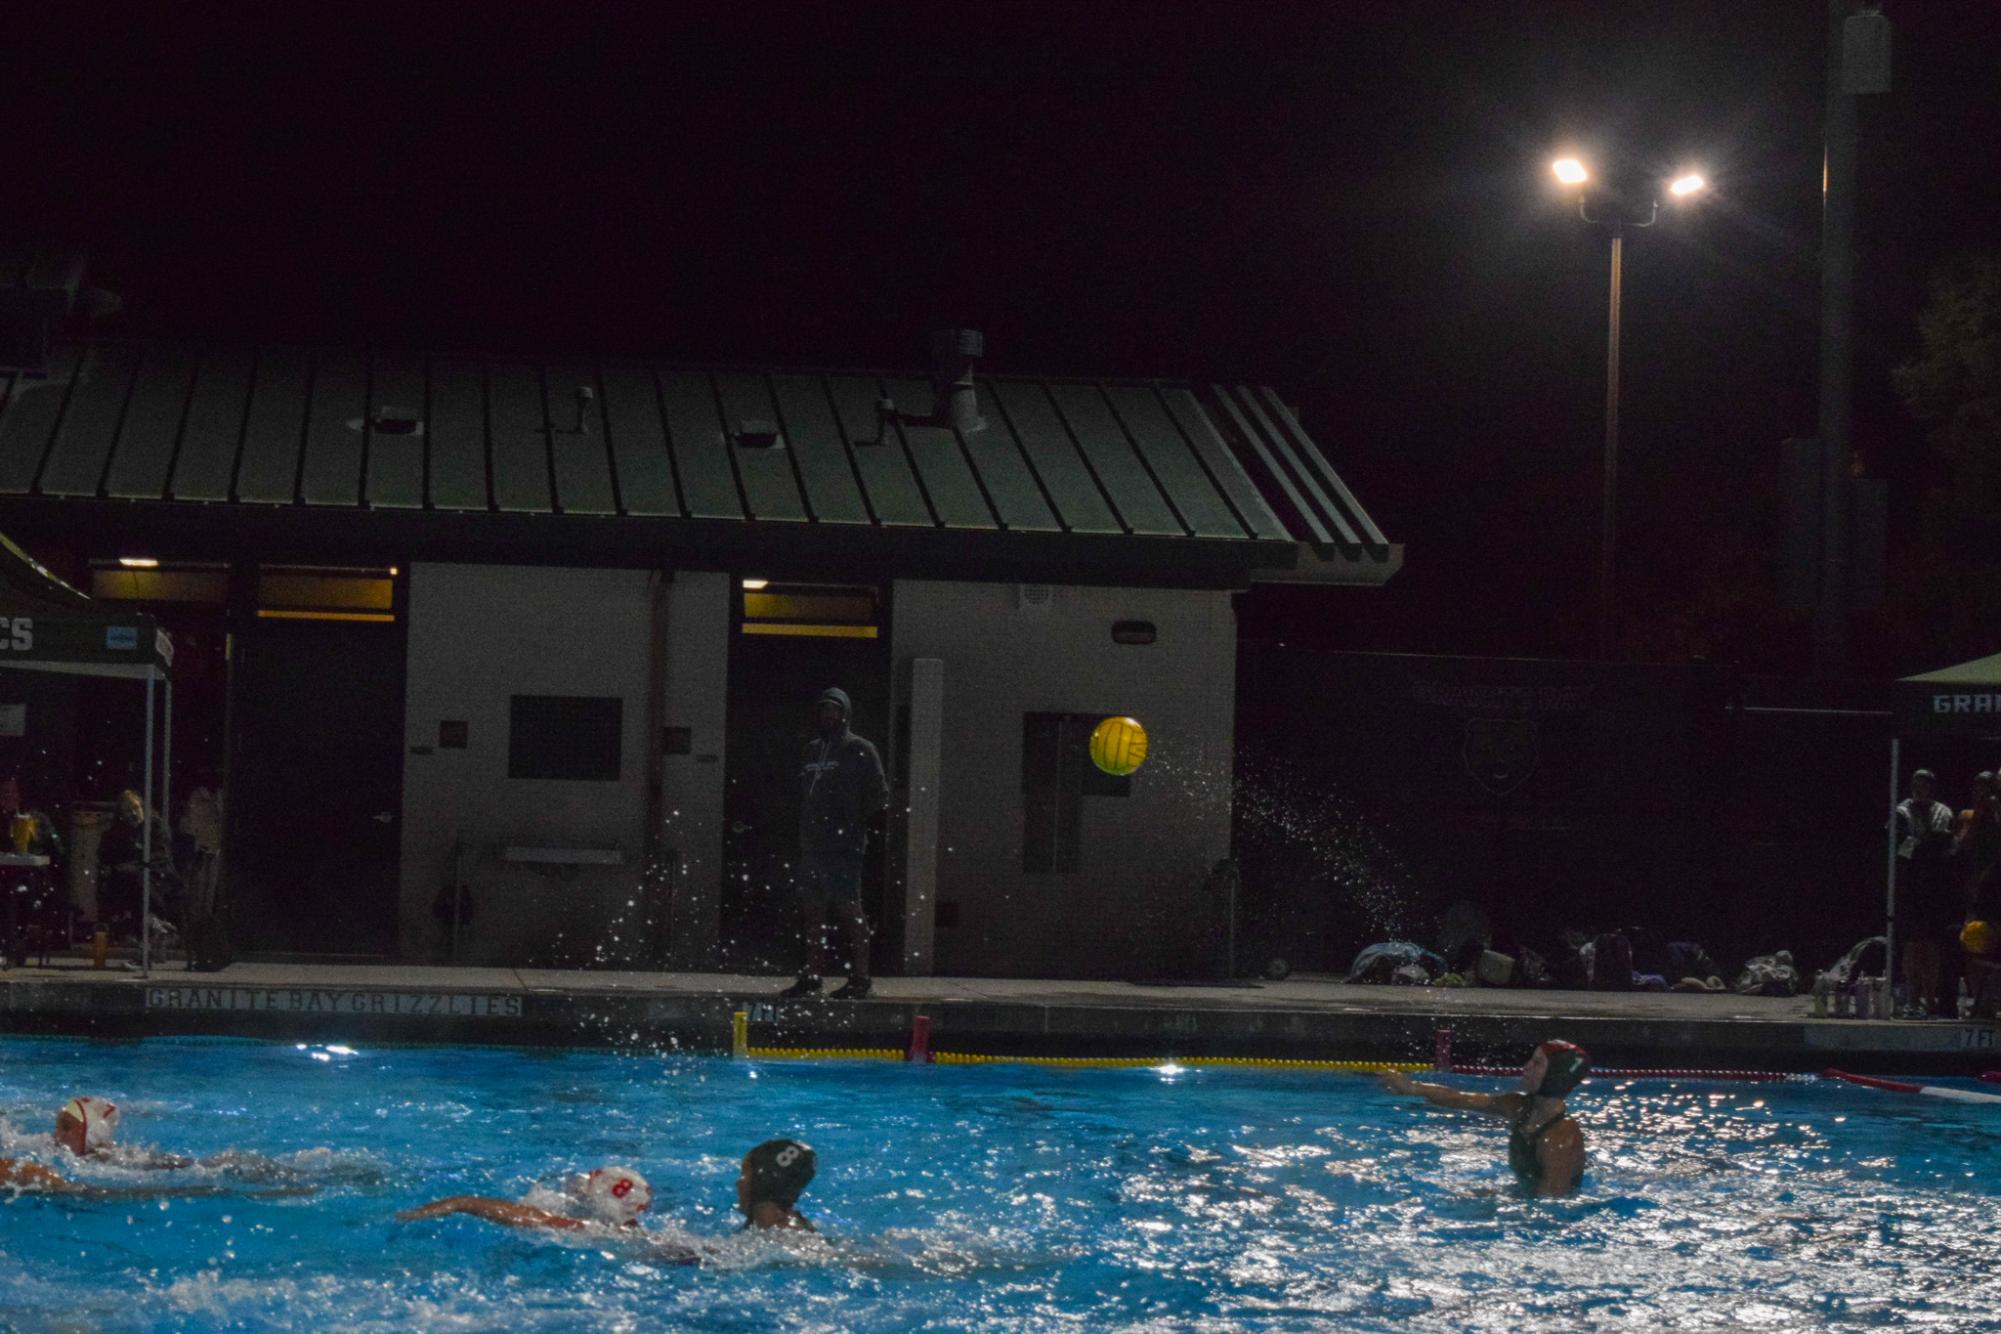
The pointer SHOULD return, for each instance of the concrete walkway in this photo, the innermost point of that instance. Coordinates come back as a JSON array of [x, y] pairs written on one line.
[[1304, 1017]]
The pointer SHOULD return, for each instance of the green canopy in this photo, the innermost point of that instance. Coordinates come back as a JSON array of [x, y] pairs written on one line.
[[1965, 699], [48, 626]]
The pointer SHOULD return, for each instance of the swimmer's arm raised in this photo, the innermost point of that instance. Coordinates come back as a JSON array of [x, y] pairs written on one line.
[[1442, 1095], [505, 1212]]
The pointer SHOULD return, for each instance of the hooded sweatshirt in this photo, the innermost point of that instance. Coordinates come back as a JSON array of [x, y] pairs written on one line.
[[841, 785]]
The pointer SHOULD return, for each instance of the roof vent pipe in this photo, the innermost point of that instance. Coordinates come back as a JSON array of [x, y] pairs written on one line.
[[953, 352]]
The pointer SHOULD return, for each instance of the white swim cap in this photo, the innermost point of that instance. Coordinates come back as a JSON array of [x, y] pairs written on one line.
[[98, 1118], [612, 1194]]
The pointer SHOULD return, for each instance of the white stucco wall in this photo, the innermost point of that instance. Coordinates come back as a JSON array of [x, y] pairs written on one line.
[[479, 635], [697, 698], [1136, 905]]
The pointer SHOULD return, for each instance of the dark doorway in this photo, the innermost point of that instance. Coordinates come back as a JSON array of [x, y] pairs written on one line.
[[774, 679], [316, 791]]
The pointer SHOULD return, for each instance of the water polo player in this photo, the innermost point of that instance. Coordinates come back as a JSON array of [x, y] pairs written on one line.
[[1545, 1146], [604, 1197], [87, 1127], [774, 1175]]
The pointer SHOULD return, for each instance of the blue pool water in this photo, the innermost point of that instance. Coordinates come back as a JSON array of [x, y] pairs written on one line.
[[997, 1197]]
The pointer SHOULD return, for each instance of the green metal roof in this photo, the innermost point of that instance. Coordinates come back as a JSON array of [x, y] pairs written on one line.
[[316, 431]]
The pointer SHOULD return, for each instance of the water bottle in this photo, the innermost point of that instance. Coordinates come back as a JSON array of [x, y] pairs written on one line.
[[100, 947], [1821, 986], [1965, 1000]]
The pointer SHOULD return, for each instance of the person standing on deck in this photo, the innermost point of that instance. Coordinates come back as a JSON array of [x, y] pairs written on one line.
[[842, 788], [1545, 1147], [1930, 909], [1976, 844]]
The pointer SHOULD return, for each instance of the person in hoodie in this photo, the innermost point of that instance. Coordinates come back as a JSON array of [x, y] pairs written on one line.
[[842, 788]]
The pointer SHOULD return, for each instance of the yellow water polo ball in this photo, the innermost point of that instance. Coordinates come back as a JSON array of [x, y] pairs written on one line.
[[1978, 937], [1118, 745]]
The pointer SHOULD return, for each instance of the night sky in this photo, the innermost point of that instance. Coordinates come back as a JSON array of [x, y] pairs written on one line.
[[1350, 202]]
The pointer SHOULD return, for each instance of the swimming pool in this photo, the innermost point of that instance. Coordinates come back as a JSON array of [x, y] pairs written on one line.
[[1003, 1197]]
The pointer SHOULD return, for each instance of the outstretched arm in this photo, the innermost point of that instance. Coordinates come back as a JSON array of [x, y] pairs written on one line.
[[1442, 1095], [20, 1174], [505, 1212], [27, 1176]]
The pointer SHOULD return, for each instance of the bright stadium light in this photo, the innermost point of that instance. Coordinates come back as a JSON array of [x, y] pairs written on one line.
[[1634, 202], [753, 585], [139, 562]]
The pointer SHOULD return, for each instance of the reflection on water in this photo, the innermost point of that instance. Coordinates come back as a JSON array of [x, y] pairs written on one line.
[[995, 1197]]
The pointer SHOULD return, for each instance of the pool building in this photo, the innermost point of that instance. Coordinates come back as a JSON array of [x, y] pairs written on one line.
[[510, 661]]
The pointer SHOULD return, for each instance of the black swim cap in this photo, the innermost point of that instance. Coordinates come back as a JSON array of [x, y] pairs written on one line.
[[779, 1170], [1568, 1064]]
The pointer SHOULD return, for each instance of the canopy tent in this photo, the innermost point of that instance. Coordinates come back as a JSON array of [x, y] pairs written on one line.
[[1964, 701], [48, 626]]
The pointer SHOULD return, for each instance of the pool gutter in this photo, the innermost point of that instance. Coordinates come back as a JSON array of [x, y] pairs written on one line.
[[1329, 1023]]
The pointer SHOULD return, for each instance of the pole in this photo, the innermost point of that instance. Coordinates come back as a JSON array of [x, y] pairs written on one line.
[[1890, 893], [1609, 539], [1837, 356], [458, 891], [146, 842], [167, 794]]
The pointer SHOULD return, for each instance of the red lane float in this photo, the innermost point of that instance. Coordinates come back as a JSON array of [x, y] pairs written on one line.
[[1872, 1082], [1902, 1086], [1992, 1076], [1733, 1076]]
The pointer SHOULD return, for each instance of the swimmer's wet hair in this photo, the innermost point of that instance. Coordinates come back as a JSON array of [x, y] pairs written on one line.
[[780, 1170]]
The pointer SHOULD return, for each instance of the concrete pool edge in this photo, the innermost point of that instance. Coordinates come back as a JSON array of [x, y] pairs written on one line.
[[695, 1014]]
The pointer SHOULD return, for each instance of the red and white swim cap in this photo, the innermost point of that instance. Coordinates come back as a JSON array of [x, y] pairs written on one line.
[[98, 1118], [615, 1195]]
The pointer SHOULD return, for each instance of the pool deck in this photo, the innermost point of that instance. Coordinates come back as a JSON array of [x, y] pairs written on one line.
[[1305, 1018]]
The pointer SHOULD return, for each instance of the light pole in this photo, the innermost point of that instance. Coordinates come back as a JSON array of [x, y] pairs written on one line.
[[1571, 172]]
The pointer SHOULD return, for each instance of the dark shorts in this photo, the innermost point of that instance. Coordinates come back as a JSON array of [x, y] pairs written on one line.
[[829, 877]]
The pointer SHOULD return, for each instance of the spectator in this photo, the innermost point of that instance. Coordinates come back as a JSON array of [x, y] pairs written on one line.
[[201, 835], [136, 840], [1930, 907], [1976, 844]]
